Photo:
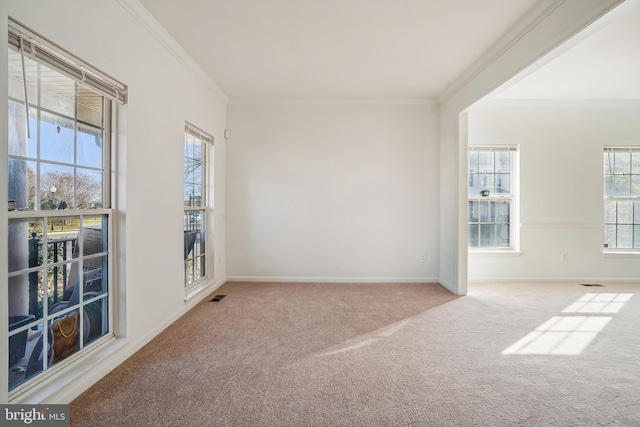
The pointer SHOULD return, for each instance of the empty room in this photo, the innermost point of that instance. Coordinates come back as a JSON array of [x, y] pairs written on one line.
[[408, 213]]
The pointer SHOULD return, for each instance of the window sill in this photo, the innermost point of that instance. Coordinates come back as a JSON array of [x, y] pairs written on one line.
[[622, 254], [506, 252], [52, 386], [193, 290]]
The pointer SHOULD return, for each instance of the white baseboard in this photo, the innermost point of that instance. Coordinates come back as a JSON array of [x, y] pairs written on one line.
[[554, 280], [88, 369], [322, 279], [449, 286]]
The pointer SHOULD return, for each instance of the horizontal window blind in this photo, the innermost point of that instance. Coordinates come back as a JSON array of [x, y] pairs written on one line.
[[622, 149], [492, 148], [197, 133], [48, 53]]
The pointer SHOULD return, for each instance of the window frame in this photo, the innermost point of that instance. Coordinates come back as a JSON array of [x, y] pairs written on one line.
[[512, 197], [206, 141], [31, 42], [634, 151]]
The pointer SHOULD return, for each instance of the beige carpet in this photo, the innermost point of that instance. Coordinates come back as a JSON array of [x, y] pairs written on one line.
[[282, 354]]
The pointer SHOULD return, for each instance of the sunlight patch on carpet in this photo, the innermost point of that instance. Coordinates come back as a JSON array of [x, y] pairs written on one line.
[[570, 335]]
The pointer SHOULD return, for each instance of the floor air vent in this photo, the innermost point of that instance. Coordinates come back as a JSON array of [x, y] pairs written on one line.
[[217, 298], [591, 284]]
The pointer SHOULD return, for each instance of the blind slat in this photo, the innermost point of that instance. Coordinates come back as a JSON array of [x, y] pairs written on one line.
[[197, 133], [492, 148], [46, 52]]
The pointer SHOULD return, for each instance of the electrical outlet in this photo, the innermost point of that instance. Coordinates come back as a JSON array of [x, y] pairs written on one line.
[[564, 256], [422, 258]]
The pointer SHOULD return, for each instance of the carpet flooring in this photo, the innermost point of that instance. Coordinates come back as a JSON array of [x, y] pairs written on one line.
[[300, 354]]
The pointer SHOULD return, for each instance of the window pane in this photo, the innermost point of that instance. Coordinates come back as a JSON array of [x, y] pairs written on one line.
[[96, 320], [65, 336], [487, 182], [622, 163], [622, 185], [502, 212], [190, 149], [94, 276], [89, 104], [473, 162], [188, 170], [635, 185], [56, 186], [610, 211], [608, 185], [474, 184], [625, 212], [473, 235], [503, 183], [474, 240], [19, 145], [197, 195], [23, 367], [502, 235], [94, 235], [22, 184], [487, 235], [16, 85], [485, 159], [61, 282], [635, 162], [197, 172], [89, 189], [26, 295], [56, 138], [609, 236], [608, 162], [503, 162], [487, 211], [25, 243], [624, 236], [636, 212], [474, 211], [636, 236], [89, 151], [57, 92], [188, 194]]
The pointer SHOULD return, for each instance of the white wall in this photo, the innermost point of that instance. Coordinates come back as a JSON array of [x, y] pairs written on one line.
[[561, 187], [163, 93], [333, 191]]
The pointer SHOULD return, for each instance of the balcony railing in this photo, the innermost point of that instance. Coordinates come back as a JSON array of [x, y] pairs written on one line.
[[59, 250]]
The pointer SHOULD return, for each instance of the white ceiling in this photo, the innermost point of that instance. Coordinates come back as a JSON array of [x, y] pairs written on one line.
[[336, 48], [604, 65]]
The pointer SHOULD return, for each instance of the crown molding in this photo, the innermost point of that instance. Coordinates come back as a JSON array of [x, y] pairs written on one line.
[[565, 103], [144, 17], [331, 102]]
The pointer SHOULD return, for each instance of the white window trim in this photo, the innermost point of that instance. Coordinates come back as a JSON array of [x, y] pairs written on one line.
[[56, 57], [208, 141], [514, 214], [618, 252]]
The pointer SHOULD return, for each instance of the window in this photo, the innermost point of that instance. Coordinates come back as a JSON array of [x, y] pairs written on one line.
[[195, 204], [492, 197], [59, 227], [622, 198]]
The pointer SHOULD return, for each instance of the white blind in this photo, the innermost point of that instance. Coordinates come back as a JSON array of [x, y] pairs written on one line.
[[492, 148], [197, 133], [46, 52], [623, 149]]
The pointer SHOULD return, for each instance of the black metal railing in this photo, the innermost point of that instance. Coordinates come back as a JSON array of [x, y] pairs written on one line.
[[58, 249]]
